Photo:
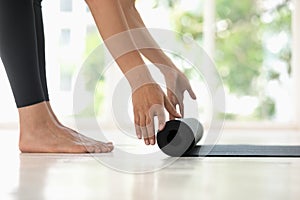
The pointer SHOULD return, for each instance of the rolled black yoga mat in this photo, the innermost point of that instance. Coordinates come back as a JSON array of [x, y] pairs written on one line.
[[179, 138]]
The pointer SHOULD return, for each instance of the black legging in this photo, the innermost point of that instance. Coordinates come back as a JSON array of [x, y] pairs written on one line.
[[22, 50]]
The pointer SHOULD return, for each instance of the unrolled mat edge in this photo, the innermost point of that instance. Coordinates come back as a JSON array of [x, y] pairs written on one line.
[[243, 151]]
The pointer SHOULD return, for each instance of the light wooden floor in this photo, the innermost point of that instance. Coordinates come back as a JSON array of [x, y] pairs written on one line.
[[54, 176]]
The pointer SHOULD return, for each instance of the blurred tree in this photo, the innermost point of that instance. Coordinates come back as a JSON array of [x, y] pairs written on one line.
[[241, 30], [242, 54]]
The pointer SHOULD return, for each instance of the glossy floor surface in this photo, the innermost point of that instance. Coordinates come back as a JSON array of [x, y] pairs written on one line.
[[111, 176]]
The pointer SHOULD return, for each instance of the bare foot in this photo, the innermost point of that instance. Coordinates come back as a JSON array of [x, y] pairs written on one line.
[[49, 138], [39, 133], [73, 132]]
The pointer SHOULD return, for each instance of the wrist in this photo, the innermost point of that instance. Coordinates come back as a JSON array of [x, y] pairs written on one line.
[[168, 70], [139, 76]]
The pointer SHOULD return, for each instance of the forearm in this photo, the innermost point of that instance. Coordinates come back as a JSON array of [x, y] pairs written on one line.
[[112, 26], [143, 37]]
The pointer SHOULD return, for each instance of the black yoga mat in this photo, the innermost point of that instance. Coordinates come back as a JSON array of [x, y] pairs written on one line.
[[244, 151], [179, 139]]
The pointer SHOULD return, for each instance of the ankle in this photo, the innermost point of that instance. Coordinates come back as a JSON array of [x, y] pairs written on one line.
[[35, 116]]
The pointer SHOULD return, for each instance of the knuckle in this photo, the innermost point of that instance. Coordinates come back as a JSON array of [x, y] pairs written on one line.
[[137, 108], [148, 121], [142, 125], [136, 121]]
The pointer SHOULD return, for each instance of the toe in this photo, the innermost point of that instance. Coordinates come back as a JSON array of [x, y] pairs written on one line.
[[98, 150], [110, 147]]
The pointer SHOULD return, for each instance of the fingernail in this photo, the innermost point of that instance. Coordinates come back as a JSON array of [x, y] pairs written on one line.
[[147, 142], [152, 141]]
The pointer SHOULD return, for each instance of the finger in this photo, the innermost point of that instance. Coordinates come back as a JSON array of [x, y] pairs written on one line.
[[191, 93], [181, 108], [173, 101], [179, 102], [145, 135], [144, 129], [137, 127], [161, 119], [138, 131], [152, 140], [170, 108], [150, 131], [172, 96], [172, 117]]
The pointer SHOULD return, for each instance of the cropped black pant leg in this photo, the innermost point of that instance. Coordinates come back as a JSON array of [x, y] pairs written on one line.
[[22, 50]]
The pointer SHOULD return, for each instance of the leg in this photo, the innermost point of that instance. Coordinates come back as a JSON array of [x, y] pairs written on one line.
[[39, 132], [42, 65], [39, 30], [39, 27], [18, 51]]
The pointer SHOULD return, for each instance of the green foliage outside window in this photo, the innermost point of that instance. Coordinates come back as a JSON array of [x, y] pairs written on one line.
[[241, 56]]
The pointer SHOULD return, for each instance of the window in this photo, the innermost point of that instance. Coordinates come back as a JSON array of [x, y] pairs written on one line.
[[250, 41], [65, 37], [66, 5], [253, 55]]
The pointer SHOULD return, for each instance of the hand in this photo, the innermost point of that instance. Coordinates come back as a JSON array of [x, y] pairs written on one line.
[[177, 83], [148, 101]]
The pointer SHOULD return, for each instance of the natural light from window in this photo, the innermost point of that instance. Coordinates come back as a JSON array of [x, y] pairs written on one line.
[[251, 49]]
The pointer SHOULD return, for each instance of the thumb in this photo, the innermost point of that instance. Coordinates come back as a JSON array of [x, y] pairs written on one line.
[[170, 108], [191, 93]]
